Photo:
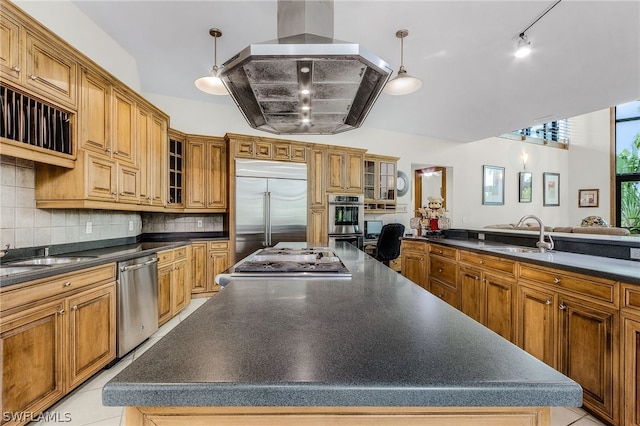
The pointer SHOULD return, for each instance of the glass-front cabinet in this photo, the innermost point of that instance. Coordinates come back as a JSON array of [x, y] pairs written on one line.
[[380, 183], [176, 169]]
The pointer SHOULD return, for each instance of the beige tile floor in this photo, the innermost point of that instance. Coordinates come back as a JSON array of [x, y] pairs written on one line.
[[84, 405]]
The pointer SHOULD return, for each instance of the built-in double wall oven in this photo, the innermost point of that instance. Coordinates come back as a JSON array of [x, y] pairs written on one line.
[[346, 219]]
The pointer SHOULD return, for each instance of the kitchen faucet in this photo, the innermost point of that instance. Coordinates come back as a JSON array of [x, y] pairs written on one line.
[[541, 244]]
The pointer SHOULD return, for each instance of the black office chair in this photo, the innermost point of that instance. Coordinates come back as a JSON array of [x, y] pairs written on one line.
[[388, 247]]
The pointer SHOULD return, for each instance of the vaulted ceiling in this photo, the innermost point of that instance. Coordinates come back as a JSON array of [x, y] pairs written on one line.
[[586, 55]]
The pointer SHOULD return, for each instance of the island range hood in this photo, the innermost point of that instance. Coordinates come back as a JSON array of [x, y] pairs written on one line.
[[305, 82]]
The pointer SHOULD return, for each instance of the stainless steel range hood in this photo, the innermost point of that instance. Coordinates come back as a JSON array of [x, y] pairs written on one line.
[[268, 80]]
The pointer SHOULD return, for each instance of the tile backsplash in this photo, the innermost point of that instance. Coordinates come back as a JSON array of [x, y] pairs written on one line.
[[180, 222], [23, 225]]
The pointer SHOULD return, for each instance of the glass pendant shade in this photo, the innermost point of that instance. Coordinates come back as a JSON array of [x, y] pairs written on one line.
[[402, 84], [524, 46], [212, 84]]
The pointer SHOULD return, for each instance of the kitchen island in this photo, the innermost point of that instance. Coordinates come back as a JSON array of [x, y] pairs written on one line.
[[371, 348]]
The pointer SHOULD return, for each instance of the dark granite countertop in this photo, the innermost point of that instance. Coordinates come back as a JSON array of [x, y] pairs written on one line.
[[102, 255], [376, 339], [616, 269]]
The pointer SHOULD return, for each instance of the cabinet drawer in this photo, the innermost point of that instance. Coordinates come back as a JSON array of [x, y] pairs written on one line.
[[448, 252], [218, 245], [601, 289], [165, 256], [59, 284], [500, 264], [445, 293], [442, 270], [180, 253], [414, 246], [631, 297]]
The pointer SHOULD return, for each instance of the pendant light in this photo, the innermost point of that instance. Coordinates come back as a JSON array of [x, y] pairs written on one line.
[[403, 83], [212, 83]]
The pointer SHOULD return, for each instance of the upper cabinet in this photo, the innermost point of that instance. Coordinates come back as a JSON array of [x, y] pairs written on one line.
[[206, 174], [344, 170], [267, 148], [380, 183], [11, 54], [177, 150]]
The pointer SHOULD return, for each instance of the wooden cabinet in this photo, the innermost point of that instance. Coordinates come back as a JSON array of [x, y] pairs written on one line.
[[50, 70], [570, 321], [123, 141], [206, 174], [413, 255], [630, 349], [151, 139], [95, 112], [55, 333], [209, 259], [174, 282], [267, 148], [380, 183], [11, 53], [442, 274], [344, 170], [487, 287]]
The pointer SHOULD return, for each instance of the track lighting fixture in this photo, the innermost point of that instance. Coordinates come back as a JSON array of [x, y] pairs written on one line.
[[524, 45]]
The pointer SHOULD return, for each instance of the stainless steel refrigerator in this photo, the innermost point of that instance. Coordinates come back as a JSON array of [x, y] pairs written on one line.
[[271, 204]]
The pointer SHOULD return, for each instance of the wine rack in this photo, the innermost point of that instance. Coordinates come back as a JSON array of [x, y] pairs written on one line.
[[34, 123]]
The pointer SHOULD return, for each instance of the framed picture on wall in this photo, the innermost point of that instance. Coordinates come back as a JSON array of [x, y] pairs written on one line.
[[492, 185], [551, 189], [525, 187], [588, 197]]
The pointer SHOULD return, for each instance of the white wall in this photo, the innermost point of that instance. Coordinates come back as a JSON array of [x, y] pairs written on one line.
[[584, 166]]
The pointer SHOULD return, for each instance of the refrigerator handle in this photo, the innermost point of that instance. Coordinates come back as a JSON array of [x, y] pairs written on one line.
[[267, 219]]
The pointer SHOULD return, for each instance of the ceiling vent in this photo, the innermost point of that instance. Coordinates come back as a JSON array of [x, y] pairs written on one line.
[[305, 82]]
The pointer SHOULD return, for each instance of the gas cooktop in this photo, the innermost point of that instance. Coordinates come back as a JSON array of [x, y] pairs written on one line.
[[314, 261]]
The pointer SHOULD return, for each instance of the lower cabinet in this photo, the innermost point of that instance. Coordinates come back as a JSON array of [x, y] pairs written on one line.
[[174, 276], [630, 345], [442, 267], [413, 255], [55, 333], [209, 259]]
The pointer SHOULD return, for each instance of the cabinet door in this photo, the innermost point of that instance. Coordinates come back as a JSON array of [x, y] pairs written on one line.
[[218, 262], [336, 169], [631, 370], [445, 293], [500, 305], [587, 352], [264, 150], [535, 327], [217, 170], [164, 293], [124, 119], [317, 197], [95, 102], [414, 267], [10, 52], [49, 71], [354, 172], [317, 226], [143, 135], [196, 175], [472, 297], [199, 255], [179, 287], [92, 332], [128, 184], [101, 178], [32, 344], [157, 162]]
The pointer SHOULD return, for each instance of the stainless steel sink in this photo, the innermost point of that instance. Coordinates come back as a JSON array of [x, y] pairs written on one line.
[[52, 260], [517, 250], [11, 270]]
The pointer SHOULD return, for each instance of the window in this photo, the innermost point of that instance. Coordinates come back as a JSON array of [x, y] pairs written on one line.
[[627, 148], [553, 133]]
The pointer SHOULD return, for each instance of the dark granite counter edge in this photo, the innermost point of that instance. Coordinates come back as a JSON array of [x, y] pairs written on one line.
[[474, 394], [596, 271], [105, 251]]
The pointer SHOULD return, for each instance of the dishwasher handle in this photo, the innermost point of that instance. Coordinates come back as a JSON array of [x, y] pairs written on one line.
[[141, 265]]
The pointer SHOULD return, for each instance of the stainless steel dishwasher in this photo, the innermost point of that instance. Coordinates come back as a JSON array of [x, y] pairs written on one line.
[[137, 295]]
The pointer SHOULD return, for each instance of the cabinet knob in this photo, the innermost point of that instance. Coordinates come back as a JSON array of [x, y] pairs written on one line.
[[441, 296], [75, 308], [16, 68], [114, 194], [562, 307], [440, 252], [440, 270], [67, 284], [556, 280], [107, 150], [481, 261], [548, 302], [116, 152], [61, 311], [33, 77]]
